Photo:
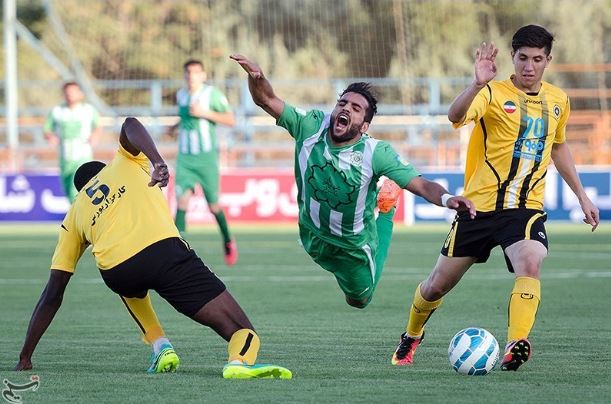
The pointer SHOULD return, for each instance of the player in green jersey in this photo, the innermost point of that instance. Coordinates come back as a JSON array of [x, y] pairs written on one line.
[[74, 127], [337, 167], [201, 107]]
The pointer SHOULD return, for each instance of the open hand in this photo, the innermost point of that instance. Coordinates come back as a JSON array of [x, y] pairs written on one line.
[[249, 66], [485, 66]]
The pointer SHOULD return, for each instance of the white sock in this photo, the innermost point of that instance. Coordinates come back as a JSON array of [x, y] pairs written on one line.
[[159, 342]]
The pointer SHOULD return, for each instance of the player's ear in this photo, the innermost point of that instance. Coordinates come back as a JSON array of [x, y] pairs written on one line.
[[364, 127]]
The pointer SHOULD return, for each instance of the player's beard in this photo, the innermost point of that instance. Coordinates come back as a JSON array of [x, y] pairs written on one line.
[[352, 132]]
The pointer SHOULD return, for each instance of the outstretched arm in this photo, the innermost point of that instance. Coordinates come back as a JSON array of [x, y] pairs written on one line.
[[438, 195], [260, 88], [48, 304], [563, 160], [485, 70], [135, 139]]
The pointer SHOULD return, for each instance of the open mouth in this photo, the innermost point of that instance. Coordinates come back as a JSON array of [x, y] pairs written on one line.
[[342, 121]]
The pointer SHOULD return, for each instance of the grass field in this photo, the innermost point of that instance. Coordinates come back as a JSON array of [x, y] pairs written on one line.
[[92, 351]]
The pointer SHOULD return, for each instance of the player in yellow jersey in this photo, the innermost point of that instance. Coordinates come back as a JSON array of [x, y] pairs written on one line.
[[519, 129], [125, 218]]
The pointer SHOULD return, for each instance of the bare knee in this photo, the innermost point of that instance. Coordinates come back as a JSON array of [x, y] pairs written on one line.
[[183, 201], [214, 207], [526, 257], [529, 267]]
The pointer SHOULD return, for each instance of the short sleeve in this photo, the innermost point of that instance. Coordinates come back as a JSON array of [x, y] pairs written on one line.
[[478, 107], [49, 123], [300, 123], [387, 162], [139, 159], [561, 129], [70, 245], [219, 102], [95, 118]]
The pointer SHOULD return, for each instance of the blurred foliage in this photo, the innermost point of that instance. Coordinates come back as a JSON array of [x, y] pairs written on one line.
[[300, 39]]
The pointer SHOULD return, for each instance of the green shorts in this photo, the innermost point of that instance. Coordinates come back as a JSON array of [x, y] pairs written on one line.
[[354, 269], [204, 171]]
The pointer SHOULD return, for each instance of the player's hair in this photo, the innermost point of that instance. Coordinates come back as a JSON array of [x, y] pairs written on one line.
[[533, 36], [366, 91], [86, 172], [70, 83], [192, 62]]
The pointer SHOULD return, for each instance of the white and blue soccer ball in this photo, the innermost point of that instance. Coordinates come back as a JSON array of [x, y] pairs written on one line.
[[473, 351]]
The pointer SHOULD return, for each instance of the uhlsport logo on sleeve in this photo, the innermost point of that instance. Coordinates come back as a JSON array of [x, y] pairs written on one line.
[[509, 107]]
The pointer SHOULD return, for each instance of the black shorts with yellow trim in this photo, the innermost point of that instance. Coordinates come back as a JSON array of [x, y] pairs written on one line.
[[477, 237], [172, 269]]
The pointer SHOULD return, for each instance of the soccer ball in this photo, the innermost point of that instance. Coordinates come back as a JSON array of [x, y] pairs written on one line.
[[473, 351]]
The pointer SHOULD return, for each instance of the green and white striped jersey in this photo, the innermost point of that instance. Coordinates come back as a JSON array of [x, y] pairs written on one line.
[[337, 185], [74, 127], [197, 135]]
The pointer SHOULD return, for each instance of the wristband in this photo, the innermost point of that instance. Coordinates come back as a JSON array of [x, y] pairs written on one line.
[[444, 199]]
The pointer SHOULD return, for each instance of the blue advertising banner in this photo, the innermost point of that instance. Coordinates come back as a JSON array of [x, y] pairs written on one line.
[[39, 197], [560, 201], [32, 198]]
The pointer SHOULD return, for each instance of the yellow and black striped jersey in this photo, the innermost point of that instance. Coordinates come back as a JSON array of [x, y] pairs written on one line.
[[511, 144], [117, 213]]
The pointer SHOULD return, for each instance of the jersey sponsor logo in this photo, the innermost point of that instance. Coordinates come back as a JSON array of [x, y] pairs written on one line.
[[557, 111], [100, 196], [531, 144], [509, 107], [331, 186], [356, 158]]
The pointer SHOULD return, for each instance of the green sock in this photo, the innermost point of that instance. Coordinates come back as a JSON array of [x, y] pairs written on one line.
[[222, 221], [180, 220], [384, 225]]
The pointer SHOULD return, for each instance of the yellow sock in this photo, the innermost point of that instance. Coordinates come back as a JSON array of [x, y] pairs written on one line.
[[523, 304], [419, 313], [143, 314], [244, 346]]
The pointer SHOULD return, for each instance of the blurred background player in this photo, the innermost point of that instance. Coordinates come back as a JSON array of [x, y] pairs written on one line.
[[151, 255], [74, 126], [519, 129], [337, 167], [201, 107]]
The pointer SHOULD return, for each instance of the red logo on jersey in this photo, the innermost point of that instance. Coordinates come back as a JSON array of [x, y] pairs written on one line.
[[509, 107]]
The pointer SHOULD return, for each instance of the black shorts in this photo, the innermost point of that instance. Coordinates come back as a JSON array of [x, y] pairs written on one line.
[[170, 268], [477, 237]]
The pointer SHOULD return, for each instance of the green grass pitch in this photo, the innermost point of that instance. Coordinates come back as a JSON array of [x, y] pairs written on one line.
[[92, 352]]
